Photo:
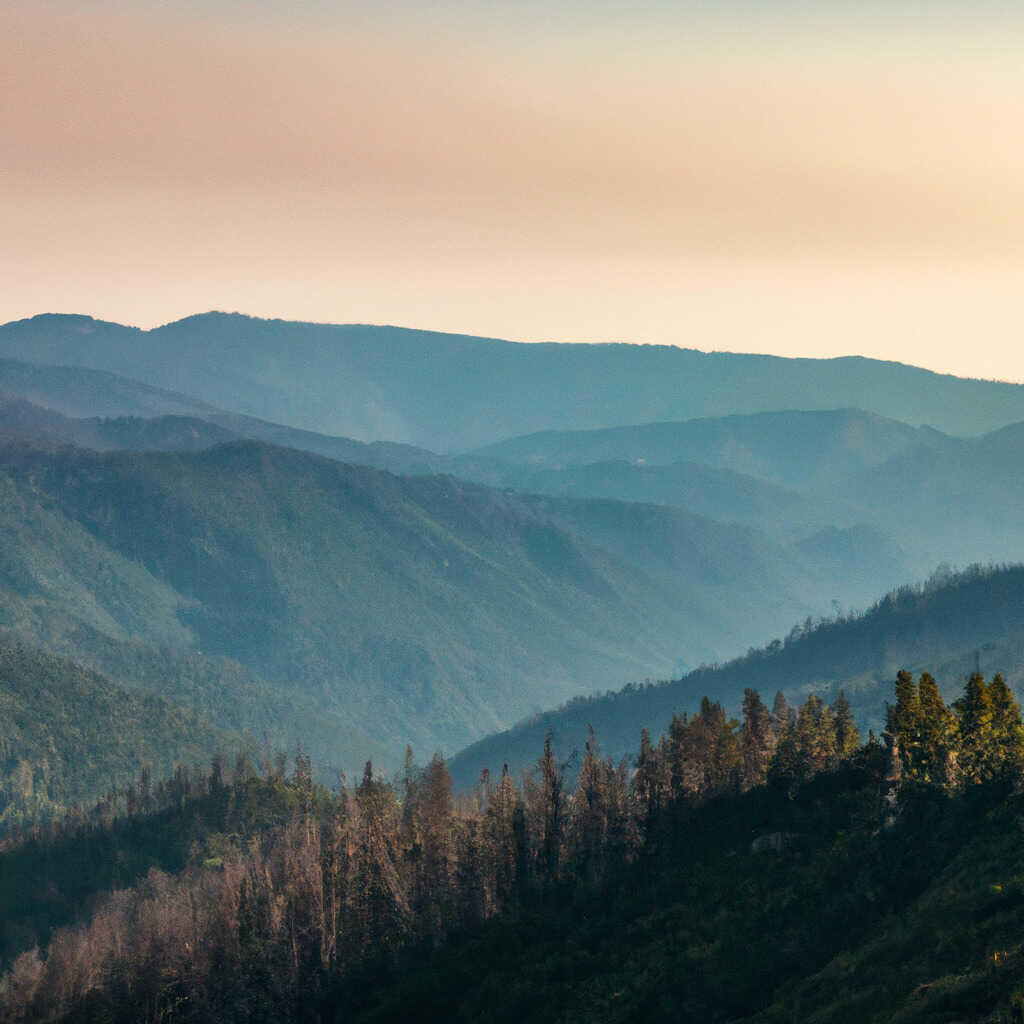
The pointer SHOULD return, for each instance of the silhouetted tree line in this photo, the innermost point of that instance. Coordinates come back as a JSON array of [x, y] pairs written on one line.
[[359, 882]]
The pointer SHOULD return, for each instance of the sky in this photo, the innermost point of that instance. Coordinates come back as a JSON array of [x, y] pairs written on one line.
[[802, 179]]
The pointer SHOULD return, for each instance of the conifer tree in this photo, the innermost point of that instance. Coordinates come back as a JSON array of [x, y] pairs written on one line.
[[647, 789], [501, 854], [847, 736], [757, 738], [589, 813], [334, 868], [1007, 731], [428, 844], [975, 711], [546, 807], [903, 721], [379, 905], [783, 716], [937, 735]]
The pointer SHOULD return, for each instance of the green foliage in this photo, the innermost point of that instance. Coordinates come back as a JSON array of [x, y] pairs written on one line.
[[418, 609], [946, 622], [68, 736], [690, 891]]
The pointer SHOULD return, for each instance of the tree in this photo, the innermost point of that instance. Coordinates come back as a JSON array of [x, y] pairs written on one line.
[[546, 814], [429, 847], [757, 739], [783, 717], [1007, 731], [378, 901], [589, 813], [846, 732], [500, 849], [978, 758], [647, 789], [936, 735]]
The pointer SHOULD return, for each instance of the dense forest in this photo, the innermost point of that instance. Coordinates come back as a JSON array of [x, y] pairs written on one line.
[[711, 876], [70, 733]]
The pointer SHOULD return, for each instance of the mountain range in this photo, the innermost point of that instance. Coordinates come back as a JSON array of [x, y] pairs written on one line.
[[194, 536], [400, 609], [452, 392]]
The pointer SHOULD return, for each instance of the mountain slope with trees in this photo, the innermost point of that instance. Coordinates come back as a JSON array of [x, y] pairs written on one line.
[[77, 391], [774, 868], [809, 450], [950, 623], [410, 608], [69, 736], [919, 487]]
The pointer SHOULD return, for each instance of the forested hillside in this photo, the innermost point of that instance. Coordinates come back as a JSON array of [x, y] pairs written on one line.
[[793, 472], [734, 870], [25, 419], [77, 391], [445, 391], [69, 736], [952, 623], [103, 411], [422, 609], [810, 450]]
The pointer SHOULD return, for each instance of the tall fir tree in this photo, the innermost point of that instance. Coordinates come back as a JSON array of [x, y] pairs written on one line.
[[936, 735], [757, 739], [847, 735], [1007, 731], [978, 760]]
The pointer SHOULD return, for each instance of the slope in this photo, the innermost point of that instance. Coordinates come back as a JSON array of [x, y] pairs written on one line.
[[944, 626], [22, 418], [964, 497], [808, 450], [848, 923], [449, 391], [77, 391], [939, 498], [418, 609], [68, 736]]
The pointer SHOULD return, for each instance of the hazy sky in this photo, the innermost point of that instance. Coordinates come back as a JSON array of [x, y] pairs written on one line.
[[805, 179]]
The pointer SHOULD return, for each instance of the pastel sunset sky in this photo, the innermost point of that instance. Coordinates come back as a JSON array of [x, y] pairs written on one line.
[[803, 179]]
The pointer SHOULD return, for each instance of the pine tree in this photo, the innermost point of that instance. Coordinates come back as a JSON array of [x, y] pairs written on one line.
[[757, 739], [428, 845], [978, 759], [546, 809], [589, 813], [846, 733], [334, 868], [815, 738], [647, 790], [782, 714], [937, 735], [501, 855], [378, 900], [1007, 731], [903, 721]]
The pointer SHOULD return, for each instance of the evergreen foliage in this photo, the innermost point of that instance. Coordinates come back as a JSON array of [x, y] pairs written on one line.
[[69, 735], [240, 896]]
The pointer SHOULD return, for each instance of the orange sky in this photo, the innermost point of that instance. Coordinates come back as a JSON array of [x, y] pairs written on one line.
[[805, 189]]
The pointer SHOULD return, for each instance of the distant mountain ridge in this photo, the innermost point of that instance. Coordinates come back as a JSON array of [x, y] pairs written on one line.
[[808, 449], [447, 392], [942, 498]]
